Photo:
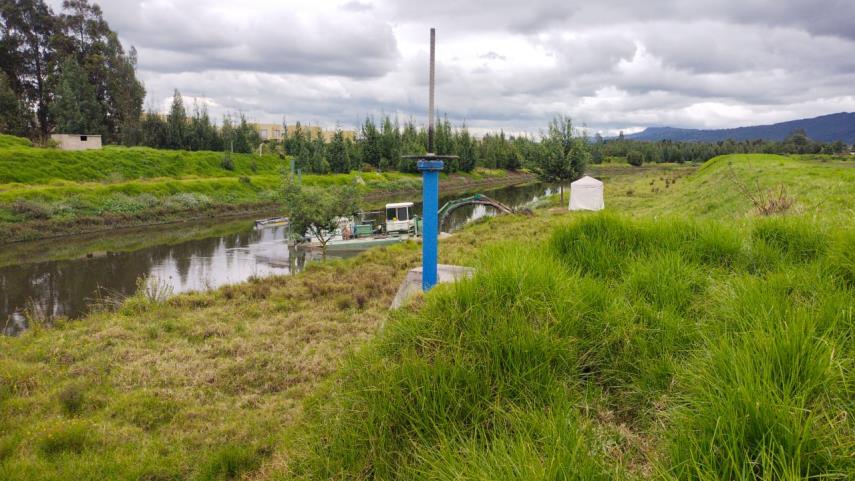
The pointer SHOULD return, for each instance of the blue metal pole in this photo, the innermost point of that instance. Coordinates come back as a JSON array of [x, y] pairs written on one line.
[[430, 184]]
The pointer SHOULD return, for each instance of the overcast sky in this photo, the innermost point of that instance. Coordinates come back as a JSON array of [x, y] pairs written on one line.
[[508, 64]]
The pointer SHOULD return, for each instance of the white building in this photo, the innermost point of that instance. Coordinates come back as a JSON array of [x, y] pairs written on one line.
[[77, 141]]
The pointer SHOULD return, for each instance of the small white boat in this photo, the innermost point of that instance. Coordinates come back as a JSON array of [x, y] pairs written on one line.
[[271, 222]]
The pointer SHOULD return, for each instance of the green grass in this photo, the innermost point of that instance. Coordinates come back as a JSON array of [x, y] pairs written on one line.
[[656, 342], [7, 141], [198, 387], [30, 165], [720, 369], [822, 189], [45, 192]]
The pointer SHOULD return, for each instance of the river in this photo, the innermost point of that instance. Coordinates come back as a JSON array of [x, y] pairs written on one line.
[[68, 274]]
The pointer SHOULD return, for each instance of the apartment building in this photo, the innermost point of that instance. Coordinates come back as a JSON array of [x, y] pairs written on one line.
[[277, 131]]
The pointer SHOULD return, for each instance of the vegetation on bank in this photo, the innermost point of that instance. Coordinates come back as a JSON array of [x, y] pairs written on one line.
[[591, 346], [616, 350], [47, 191]]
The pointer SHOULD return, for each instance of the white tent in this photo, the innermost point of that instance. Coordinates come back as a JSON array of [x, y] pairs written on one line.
[[586, 194]]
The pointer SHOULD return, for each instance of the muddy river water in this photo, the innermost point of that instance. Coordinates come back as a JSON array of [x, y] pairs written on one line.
[[68, 274]]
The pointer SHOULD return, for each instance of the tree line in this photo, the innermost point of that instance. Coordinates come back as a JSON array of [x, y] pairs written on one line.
[[638, 152], [66, 72], [196, 131], [384, 144]]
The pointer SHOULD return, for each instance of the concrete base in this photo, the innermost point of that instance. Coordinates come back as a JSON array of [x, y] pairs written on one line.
[[413, 282]]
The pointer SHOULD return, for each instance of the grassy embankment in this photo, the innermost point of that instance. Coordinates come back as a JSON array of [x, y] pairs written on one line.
[[587, 347], [46, 192]]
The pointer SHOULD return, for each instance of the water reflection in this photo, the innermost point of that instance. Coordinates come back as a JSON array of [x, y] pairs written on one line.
[[66, 287]]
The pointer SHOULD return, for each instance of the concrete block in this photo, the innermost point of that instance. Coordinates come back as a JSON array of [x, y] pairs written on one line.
[[413, 282], [77, 141]]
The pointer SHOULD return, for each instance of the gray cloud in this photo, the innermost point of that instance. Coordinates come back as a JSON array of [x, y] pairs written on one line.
[[186, 35], [613, 65]]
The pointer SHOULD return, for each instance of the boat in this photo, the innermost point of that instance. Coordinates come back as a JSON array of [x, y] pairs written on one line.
[[271, 222], [360, 233], [360, 244]]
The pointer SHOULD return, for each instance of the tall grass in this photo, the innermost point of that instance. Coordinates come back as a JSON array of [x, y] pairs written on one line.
[[722, 369], [30, 165], [7, 141]]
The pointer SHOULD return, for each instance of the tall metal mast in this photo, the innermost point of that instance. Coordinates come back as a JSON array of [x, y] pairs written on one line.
[[432, 86], [430, 165]]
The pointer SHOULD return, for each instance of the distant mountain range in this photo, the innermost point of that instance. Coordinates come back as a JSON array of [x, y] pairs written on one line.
[[826, 128]]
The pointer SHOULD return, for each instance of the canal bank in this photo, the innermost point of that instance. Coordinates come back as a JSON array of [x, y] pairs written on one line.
[[50, 280], [125, 207]]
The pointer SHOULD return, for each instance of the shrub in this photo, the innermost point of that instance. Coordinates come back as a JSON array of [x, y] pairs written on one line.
[[634, 158], [230, 462], [841, 258], [72, 398], [124, 204], [227, 163], [66, 437], [188, 201], [795, 239]]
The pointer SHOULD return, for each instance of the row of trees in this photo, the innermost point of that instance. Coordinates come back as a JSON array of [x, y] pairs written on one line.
[[638, 152], [65, 72], [379, 146], [177, 130], [382, 145]]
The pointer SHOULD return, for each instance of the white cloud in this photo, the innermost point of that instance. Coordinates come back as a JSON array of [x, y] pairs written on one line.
[[612, 65]]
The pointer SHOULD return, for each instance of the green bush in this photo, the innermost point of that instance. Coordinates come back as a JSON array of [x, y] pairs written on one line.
[[230, 463], [72, 399], [794, 238], [634, 158], [66, 437]]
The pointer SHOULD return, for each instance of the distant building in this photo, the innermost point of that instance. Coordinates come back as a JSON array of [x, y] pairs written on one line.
[[278, 132], [77, 141]]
